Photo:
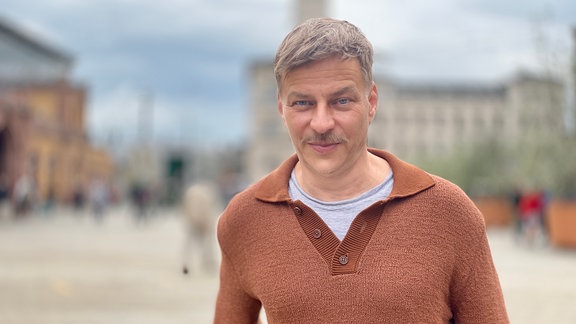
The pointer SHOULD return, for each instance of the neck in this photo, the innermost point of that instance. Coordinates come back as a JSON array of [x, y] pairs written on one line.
[[363, 176]]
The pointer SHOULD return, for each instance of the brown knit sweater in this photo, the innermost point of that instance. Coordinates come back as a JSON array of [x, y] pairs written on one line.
[[420, 256]]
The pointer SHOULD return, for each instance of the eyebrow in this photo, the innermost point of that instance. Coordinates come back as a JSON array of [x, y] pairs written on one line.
[[297, 95], [344, 91], [336, 93]]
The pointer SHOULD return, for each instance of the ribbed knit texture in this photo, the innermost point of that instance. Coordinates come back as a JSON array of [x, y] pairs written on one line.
[[420, 256]]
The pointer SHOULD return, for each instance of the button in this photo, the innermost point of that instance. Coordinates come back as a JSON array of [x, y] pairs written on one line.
[[298, 210], [343, 259], [316, 233]]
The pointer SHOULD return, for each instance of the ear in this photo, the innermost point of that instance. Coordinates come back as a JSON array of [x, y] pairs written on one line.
[[373, 101], [281, 107]]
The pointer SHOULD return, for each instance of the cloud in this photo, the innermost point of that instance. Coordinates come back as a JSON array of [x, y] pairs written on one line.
[[449, 40], [127, 113]]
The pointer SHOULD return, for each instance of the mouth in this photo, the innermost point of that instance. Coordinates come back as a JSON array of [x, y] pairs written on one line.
[[323, 147]]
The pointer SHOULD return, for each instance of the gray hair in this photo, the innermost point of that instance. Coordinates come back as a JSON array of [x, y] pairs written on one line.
[[320, 38]]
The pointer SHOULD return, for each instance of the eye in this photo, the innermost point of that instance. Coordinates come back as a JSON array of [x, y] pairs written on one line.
[[342, 101], [301, 103]]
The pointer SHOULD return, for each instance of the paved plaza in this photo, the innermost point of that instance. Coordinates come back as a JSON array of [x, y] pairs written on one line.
[[66, 268]]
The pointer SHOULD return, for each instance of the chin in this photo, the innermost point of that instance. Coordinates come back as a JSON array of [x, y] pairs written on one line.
[[324, 167]]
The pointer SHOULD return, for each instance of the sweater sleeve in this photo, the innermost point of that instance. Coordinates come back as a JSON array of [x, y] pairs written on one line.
[[476, 293], [233, 304]]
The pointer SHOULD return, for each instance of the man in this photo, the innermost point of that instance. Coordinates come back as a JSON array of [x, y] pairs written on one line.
[[343, 233]]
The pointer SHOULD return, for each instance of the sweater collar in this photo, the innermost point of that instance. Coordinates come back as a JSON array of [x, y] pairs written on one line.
[[408, 179]]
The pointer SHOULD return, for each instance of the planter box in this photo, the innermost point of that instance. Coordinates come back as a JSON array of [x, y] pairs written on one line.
[[497, 211], [561, 217]]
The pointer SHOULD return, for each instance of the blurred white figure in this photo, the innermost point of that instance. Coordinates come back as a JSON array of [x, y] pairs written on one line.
[[24, 194], [202, 205]]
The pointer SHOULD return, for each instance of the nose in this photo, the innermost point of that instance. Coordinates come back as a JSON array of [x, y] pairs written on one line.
[[322, 119]]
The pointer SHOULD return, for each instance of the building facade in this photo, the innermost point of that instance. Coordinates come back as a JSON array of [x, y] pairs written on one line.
[[416, 121], [42, 120]]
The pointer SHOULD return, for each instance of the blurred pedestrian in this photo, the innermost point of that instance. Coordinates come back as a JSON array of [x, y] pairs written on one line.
[[78, 199], [202, 205], [141, 199], [343, 233], [4, 197], [98, 199], [531, 208], [49, 202], [516, 196], [24, 194]]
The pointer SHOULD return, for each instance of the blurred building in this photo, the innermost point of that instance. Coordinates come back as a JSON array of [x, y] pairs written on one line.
[[268, 140], [419, 120], [414, 120], [42, 119]]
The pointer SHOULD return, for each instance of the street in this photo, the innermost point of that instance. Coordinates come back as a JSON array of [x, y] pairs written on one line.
[[67, 268]]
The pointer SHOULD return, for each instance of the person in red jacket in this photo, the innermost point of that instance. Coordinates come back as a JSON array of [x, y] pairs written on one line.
[[531, 210], [344, 233]]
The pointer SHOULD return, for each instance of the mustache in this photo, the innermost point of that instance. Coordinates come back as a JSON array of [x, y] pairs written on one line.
[[326, 138]]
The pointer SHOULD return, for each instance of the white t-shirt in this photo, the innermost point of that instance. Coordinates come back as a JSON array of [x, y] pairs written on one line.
[[338, 215]]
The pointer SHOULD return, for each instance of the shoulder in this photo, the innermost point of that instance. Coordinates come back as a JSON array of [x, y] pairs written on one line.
[[456, 206], [242, 203], [251, 205], [242, 216], [448, 191]]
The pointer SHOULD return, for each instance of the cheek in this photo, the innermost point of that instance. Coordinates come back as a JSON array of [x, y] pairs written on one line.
[[296, 120], [296, 125], [354, 123]]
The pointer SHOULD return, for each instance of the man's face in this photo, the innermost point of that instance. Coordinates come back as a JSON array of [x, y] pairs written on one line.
[[327, 107]]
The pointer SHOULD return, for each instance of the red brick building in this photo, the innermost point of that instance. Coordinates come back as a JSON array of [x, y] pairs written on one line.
[[42, 119]]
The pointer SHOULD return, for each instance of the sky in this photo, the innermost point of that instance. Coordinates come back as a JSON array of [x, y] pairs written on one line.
[[185, 62]]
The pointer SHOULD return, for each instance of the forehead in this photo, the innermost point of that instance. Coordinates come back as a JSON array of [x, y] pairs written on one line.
[[324, 74]]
